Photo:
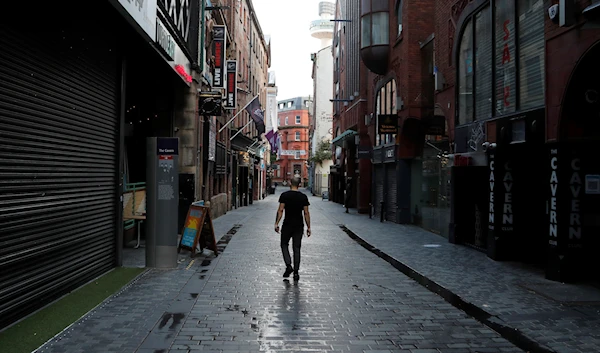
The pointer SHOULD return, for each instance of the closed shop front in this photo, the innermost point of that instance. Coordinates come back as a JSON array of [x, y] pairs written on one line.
[[391, 192], [379, 181], [59, 133]]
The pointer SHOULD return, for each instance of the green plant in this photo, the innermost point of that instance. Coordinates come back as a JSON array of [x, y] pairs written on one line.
[[323, 153]]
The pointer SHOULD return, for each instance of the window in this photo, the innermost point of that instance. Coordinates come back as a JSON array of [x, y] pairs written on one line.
[[297, 136], [386, 104], [297, 156], [483, 71], [506, 74], [278, 121], [286, 120], [531, 54], [518, 56], [399, 15], [465, 79], [298, 121], [289, 104]]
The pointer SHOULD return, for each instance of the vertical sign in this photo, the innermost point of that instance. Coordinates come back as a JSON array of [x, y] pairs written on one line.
[[219, 48], [231, 92], [212, 139]]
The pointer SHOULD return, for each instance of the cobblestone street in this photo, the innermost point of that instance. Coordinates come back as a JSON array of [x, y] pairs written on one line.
[[348, 299]]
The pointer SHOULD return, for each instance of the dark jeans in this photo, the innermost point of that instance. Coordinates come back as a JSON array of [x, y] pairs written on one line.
[[294, 233]]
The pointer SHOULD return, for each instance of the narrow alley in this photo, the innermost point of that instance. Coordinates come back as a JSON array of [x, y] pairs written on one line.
[[347, 300]]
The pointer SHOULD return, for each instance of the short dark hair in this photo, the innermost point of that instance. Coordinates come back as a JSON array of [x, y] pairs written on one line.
[[296, 181]]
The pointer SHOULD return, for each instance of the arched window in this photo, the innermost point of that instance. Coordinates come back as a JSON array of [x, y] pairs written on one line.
[[386, 105], [512, 79]]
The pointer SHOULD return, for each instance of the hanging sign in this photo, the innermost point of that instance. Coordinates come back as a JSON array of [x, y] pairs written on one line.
[[219, 49], [387, 124], [231, 91], [198, 231]]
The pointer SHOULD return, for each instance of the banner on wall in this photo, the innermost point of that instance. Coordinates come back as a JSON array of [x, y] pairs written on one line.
[[219, 49], [231, 91]]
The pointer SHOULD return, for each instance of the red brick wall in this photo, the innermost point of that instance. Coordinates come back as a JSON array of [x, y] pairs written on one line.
[[288, 142], [564, 48]]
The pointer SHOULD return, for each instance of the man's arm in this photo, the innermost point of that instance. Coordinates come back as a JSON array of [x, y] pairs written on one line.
[[279, 215], [307, 220]]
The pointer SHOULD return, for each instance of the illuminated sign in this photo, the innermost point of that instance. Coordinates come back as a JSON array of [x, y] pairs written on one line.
[[219, 49], [181, 70], [231, 92]]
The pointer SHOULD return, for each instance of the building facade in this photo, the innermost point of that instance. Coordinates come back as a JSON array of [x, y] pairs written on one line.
[[490, 119], [321, 123], [75, 124], [293, 127]]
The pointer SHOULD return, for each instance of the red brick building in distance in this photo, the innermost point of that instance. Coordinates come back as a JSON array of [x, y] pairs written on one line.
[[293, 122]]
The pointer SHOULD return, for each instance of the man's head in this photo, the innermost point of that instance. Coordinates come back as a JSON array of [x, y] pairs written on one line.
[[296, 182]]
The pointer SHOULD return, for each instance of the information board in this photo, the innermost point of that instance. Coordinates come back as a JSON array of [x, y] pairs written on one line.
[[198, 230]]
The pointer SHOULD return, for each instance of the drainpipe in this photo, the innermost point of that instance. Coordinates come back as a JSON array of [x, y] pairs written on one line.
[[199, 178]]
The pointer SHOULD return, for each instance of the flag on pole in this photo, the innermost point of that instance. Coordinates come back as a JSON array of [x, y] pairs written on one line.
[[257, 114], [272, 138]]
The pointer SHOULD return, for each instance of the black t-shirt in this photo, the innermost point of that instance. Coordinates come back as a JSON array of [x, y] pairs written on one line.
[[294, 205]]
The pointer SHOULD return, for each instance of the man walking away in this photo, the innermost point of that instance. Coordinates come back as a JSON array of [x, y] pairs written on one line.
[[295, 204]]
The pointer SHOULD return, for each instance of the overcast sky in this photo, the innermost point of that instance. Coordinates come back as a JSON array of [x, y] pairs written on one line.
[[287, 22]]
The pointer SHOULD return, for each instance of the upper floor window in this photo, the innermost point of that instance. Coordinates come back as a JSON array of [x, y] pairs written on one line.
[[286, 120], [289, 104], [297, 136], [278, 121], [399, 16], [518, 64], [297, 155], [298, 121]]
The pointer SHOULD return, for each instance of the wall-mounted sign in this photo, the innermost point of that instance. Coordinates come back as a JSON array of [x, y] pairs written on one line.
[[219, 49], [387, 124], [244, 159], [292, 152], [212, 139], [592, 184], [143, 13], [231, 91], [165, 40], [365, 152]]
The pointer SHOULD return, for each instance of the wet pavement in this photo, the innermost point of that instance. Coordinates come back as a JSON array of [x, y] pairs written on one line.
[[350, 296]]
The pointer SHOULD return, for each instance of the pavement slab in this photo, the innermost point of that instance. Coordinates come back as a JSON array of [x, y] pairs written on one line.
[[348, 298]]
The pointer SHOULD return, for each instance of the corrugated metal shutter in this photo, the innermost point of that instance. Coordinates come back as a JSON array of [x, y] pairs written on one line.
[[379, 185], [391, 205], [58, 166]]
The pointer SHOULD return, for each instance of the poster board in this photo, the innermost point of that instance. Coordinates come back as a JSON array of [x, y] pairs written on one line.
[[198, 230]]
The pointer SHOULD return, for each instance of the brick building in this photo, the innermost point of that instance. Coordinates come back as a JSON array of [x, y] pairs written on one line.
[[494, 104], [293, 122]]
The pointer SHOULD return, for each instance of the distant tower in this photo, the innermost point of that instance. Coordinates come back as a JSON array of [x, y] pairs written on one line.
[[323, 29]]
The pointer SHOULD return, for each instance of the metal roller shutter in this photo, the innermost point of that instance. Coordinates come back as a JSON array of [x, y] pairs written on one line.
[[379, 185], [391, 204], [58, 166]]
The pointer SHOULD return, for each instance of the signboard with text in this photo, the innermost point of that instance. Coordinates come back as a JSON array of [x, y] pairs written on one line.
[[219, 49], [387, 124], [143, 13], [231, 91]]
